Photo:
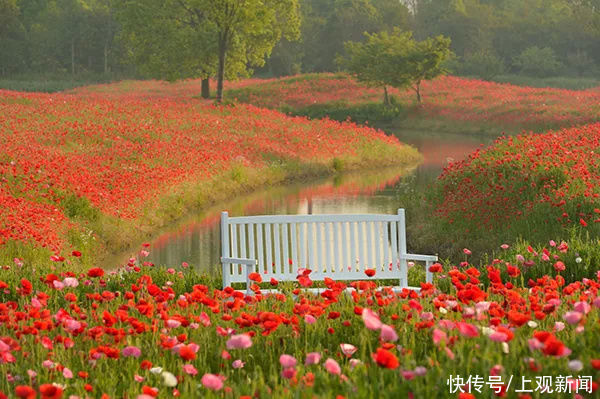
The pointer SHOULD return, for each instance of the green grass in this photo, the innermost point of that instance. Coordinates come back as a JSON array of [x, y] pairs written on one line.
[[558, 82], [51, 83]]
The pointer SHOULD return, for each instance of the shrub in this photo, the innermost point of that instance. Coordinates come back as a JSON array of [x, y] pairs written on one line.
[[535, 61], [482, 64]]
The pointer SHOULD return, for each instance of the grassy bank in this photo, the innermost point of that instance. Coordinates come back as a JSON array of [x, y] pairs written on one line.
[[449, 103], [93, 173]]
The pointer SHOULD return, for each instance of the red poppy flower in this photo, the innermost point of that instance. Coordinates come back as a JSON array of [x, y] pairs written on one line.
[[49, 391], [255, 277], [95, 272], [386, 359], [370, 272], [25, 392], [187, 353]]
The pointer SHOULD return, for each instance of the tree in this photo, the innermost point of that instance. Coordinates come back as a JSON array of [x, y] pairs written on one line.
[[177, 39], [396, 60]]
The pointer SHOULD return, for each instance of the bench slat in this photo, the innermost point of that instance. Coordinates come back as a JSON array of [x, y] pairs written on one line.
[[234, 253], [327, 244], [243, 241], [377, 248], [260, 248], [310, 247], [251, 243], [293, 233], [277, 269], [335, 266], [394, 240], [386, 248], [285, 262], [302, 248], [402, 249], [369, 226], [319, 244], [353, 247], [361, 246], [268, 249], [345, 246], [312, 218]]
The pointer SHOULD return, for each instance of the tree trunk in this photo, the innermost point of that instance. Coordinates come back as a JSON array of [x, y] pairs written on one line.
[[386, 98], [221, 70], [105, 58], [205, 88], [73, 56], [418, 91]]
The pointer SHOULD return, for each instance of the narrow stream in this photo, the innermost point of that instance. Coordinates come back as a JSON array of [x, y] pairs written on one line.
[[197, 239]]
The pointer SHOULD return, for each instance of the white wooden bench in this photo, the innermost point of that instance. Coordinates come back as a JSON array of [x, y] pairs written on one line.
[[340, 247]]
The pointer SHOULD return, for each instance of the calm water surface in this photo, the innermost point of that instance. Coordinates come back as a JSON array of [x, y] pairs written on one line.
[[197, 239]]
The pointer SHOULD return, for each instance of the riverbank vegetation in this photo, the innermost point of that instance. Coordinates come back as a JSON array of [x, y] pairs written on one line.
[[448, 103], [94, 174]]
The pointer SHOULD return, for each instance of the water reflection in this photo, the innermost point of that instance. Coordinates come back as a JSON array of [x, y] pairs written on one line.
[[197, 240]]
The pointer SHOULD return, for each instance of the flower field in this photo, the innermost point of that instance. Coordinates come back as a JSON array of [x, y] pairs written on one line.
[[539, 186], [143, 332], [81, 169], [446, 98]]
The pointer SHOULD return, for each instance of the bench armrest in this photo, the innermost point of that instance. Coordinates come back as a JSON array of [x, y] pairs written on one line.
[[249, 263], [428, 259], [425, 258], [239, 261]]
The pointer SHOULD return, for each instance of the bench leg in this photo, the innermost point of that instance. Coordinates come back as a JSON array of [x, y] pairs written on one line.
[[428, 274], [249, 269]]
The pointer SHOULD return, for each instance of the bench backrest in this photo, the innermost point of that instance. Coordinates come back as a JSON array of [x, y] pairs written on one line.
[[337, 246]]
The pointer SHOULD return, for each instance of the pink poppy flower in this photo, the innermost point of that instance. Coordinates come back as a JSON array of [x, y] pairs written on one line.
[[439, 336], [309, 319], [239, 341], [312, 358], [388, 333], [582, 307], [371, 320], [289, 372], [573, 317], [287, 361], [237, 364], [498, 336], [190, 369], [332, 366], [467, 330], [138, 378], [67, 373], [71, 282], [131, 351], [347, 349], [354, 362], [212, 381], [173, 323]]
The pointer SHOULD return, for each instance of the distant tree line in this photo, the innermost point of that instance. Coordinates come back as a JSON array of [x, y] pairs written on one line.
[[488, 37]]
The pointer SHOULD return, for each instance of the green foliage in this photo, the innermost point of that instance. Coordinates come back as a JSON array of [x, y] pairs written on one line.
[[342, 111], [396, 60], [77, 207], [200, 38], [536, 61], [482, 64]]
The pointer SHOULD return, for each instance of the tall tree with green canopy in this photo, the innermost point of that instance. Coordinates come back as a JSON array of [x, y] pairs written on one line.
[[177, 39], [396, 60]]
